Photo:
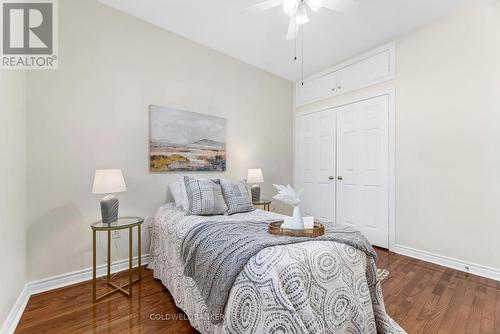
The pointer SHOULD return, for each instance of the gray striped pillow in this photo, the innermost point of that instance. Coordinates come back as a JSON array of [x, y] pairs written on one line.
[[204, 196], [236, 197]]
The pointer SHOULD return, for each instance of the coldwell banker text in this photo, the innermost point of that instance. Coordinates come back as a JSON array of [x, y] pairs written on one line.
[[29, 34]]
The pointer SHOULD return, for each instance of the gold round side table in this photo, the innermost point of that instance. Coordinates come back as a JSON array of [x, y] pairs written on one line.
[[121, 224]]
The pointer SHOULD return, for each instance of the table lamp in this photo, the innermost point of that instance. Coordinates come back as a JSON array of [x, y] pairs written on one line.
[[254, 176], [109, 181]]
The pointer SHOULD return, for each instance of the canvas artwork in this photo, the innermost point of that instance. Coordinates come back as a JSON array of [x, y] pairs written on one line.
[[186, 141]]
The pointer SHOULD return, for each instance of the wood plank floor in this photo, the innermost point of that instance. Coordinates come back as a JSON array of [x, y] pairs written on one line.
[[420, 296]]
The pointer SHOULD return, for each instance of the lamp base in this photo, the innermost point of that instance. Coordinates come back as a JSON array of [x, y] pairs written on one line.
[[255, 193], [109, 209]]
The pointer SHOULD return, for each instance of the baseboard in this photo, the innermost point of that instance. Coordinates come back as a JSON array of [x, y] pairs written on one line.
[[468, 267], [16, 312], [79, 276], [59, 281]]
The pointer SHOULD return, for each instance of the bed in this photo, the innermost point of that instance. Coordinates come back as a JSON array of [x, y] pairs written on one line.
[[308, 287]]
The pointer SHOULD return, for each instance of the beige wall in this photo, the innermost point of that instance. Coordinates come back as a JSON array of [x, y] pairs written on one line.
[[93, 113], [12, 188], [448, 136]]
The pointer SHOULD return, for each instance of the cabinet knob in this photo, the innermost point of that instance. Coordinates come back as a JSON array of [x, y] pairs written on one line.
[[333, 89], [340, 178], [331, 178], [339, 87]]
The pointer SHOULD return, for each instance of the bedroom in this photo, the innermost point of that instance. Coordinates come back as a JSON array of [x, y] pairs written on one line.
[[430, 68]]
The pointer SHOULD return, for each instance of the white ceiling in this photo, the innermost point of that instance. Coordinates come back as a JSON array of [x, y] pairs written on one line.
[[259, 39]]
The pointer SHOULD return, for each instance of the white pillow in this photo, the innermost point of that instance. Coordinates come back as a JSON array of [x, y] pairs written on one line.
[[175, 189], [184, 202]]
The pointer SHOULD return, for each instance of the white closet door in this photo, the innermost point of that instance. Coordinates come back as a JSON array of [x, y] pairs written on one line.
[[363, 168], [315, 164]]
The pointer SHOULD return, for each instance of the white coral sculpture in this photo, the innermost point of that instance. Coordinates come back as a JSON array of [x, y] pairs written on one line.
[[288, 195]]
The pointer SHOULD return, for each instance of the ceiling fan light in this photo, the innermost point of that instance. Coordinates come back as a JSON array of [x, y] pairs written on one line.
[[315, 5], [290, 6], [301, 17]]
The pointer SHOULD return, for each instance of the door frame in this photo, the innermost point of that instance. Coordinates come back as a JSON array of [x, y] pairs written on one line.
[[339, 102]]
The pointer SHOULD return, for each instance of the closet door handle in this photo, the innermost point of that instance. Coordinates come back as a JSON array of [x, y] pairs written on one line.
[[331, 178], [340, 178]]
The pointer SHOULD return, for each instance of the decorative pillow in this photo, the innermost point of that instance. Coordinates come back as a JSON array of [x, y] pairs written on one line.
[[184, 198], [236, 197], [205, 197], [175, 189]]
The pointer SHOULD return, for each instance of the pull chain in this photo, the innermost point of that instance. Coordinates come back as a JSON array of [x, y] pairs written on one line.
[[295, 42], [302, 57]]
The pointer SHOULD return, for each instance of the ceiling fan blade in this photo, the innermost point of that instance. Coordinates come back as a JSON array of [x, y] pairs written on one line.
[[260, 7], [293, 29], [343, 6]]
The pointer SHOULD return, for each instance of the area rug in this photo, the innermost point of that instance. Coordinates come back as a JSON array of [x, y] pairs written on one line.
[[382, 274]]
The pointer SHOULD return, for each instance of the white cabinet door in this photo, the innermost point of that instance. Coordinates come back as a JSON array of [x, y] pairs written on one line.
[[315, 164], [317, 89], [363, 168], [371, 68], [364, 73]]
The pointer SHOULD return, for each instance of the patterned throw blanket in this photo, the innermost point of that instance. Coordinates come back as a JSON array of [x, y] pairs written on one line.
[[214, 253]]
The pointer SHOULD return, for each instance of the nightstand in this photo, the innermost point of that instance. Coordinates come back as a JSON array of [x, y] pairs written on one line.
[[121, 224], [264, 203]]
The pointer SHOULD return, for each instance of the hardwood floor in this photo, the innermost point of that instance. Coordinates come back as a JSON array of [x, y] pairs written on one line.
[[420, 296]]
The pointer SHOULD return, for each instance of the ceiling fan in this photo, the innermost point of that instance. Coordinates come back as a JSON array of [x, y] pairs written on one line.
[[297, 10]]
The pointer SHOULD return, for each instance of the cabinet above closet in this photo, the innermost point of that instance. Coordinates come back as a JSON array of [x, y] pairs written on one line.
[[371, 68]]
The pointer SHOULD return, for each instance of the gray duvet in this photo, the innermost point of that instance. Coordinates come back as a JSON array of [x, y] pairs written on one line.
[[314, 286], [214, 253]]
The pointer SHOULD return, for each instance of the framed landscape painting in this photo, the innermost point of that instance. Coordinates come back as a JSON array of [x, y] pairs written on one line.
[[186, 141]]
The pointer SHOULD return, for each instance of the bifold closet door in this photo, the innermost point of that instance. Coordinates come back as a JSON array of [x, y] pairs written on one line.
[[363, 168], [315, 164]]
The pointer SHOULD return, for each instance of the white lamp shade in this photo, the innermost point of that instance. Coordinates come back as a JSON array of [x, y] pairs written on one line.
[[108, 181], [301, 17], [255, 176]]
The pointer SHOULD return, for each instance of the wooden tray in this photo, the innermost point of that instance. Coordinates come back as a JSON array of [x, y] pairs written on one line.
[[275, 228]]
